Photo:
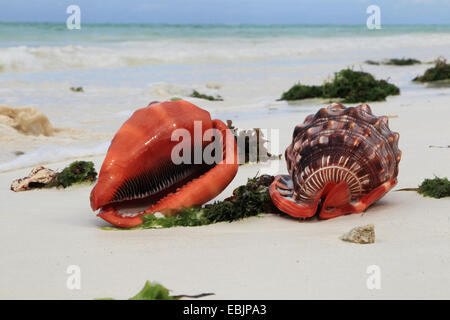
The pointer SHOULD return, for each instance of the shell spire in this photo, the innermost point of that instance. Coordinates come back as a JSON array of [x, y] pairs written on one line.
[[340, 161]]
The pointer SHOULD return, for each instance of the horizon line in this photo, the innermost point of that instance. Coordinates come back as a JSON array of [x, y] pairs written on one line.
[[222, 24]]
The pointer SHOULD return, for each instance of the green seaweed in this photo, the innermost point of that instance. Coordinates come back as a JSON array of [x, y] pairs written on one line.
[[402, 62], [150, 291], [358, 86], [247, 200], [349, 85], [76, 172], [299, 91], [77, 89], [372, 62], [183, 218], [435, 188], [440, 71], [395, 62], [156, 291], [198, 95], [153, 291]]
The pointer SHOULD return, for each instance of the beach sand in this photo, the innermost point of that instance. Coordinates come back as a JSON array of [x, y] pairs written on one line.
[[267, 257]]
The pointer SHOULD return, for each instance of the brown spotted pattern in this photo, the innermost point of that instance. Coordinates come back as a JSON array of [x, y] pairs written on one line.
[[342, 144]]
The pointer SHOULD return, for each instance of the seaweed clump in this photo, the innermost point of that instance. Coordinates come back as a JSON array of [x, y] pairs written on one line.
[[435, 188], [77, 89], [440, 71], [156, 291], [358, 86], [247, 200], [372, 62], [153, 291], [198, 95], [395, 62], [76, 172], [300, 91], [402, 62], [349, 85]]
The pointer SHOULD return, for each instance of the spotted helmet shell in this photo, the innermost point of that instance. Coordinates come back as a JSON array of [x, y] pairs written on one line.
[[340, 161]]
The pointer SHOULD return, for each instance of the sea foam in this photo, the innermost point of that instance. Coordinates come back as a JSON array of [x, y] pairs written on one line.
[[52, 153], [163, 90], [197, 51]]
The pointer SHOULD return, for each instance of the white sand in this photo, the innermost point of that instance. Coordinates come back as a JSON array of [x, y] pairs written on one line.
[[268, 257]]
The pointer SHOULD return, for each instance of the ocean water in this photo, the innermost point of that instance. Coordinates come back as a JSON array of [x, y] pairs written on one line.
[[44, 47], [123, 67]]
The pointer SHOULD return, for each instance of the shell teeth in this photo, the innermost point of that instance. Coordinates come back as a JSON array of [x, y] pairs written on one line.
[[152, 182]]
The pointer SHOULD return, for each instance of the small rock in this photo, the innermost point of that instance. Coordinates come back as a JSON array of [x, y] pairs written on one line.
[[212, 85], [363, 234], [39, 177]]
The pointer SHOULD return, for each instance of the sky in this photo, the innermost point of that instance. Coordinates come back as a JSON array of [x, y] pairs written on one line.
[[228, 11]]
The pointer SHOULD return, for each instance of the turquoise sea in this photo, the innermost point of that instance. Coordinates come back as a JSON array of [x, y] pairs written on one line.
[[35, 34]]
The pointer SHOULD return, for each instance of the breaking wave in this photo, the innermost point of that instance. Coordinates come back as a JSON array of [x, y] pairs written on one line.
[[52, 153], [163, 90], [186, 51], [167, 90]]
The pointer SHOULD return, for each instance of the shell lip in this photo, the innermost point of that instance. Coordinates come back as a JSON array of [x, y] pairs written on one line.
[[283, 196]]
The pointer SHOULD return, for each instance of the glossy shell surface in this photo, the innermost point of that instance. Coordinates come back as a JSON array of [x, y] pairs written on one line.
[[349, 146]]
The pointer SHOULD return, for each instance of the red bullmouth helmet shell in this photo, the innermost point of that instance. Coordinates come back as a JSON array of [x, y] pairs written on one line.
[[340, 161], [139, 176]]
